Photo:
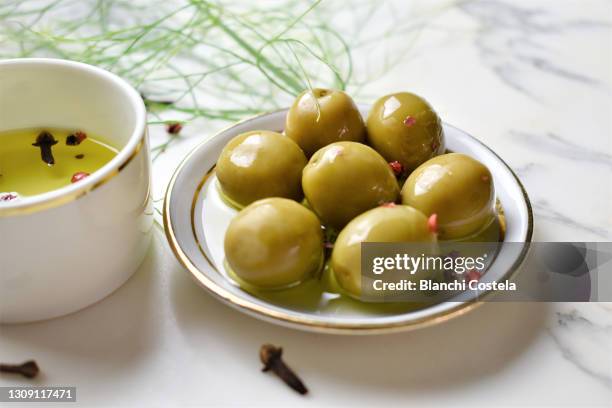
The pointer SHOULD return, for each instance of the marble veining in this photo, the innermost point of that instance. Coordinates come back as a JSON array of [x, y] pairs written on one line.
[[553, 144], [526, 169], [584, 340], [518, 40], [525, 44], [533, 80], [545, 210]]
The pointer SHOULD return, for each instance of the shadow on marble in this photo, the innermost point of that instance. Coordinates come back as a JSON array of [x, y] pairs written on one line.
[[463, 350]]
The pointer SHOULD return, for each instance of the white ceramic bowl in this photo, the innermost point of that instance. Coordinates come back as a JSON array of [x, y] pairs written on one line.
[[196, 219], [68, 248]]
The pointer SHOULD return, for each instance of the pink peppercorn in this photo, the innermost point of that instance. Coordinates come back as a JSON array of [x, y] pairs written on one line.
[[409, 121], [432, 223], [78, 176], [397, 168], [473, 275]]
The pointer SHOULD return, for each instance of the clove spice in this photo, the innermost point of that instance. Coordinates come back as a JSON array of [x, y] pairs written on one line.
[[44, 141], [76, 138], [29, 369], [271, 357]]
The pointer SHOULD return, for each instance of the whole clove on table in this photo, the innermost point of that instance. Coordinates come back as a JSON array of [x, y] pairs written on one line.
[[271, 357], [29, 369]]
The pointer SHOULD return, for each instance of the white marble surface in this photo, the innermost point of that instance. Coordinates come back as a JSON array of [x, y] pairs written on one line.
[[533, 80]]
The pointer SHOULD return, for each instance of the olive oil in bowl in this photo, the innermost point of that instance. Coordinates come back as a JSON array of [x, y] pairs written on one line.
[[36, 161]]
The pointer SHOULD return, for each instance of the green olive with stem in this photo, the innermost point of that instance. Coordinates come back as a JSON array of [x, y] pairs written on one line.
[[320, 117]]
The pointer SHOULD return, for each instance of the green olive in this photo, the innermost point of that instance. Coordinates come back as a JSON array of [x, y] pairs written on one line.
[[274, 243], [394, 223], [323, 116], [403, 127], [344, 179], [260, 164], [458, 189]]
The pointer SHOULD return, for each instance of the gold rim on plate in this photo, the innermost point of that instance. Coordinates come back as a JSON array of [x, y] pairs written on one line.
[[302, 322]]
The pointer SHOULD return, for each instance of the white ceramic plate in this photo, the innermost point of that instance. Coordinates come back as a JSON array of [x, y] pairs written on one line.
[[196, 218]]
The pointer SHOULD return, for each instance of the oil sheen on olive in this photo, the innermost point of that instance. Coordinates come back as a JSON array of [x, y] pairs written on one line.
[[321, 117], [260, 164], [274, 243], [458, 189], [345, 179], [404, 127], [397, 223]]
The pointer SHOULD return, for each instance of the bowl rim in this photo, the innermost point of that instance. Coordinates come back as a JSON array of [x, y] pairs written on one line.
[[305, 323], [135, 143]]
